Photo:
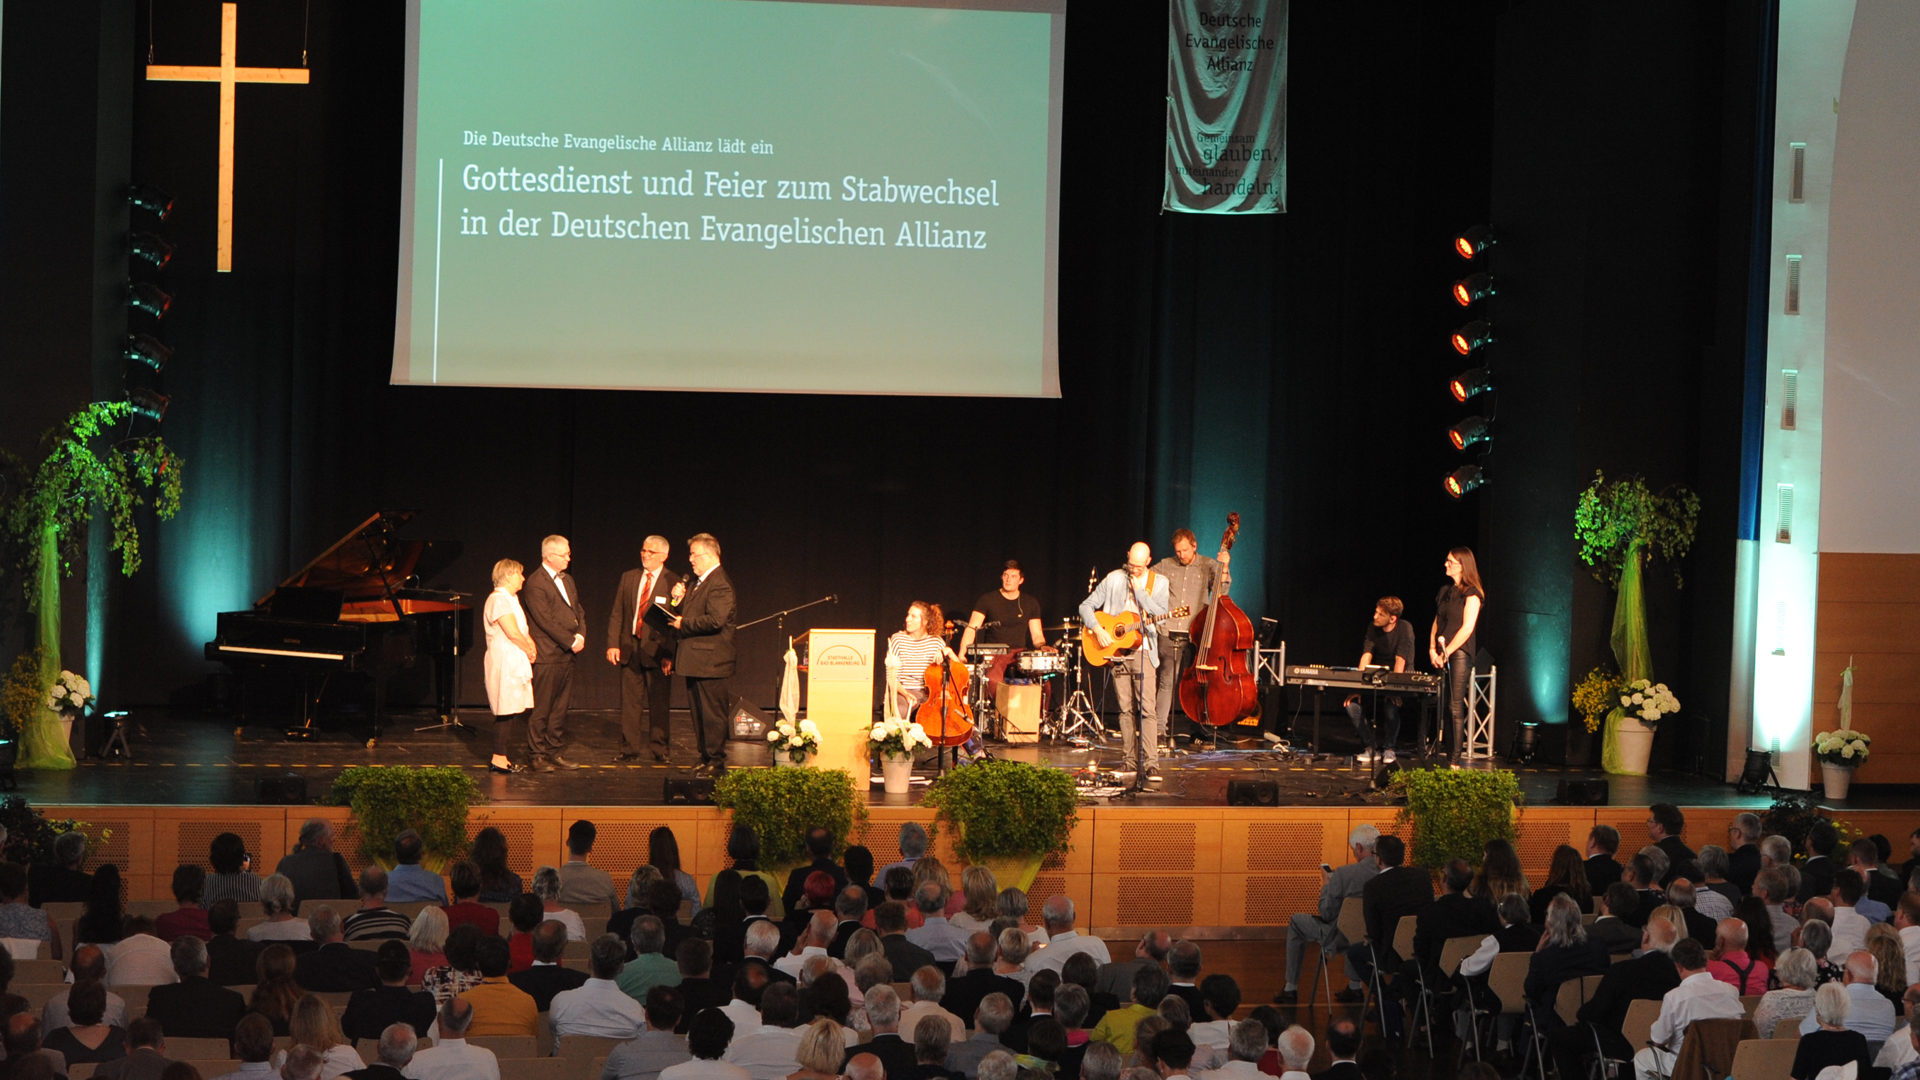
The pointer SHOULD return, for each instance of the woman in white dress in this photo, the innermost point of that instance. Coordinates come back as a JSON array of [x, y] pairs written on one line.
[[509, 663]]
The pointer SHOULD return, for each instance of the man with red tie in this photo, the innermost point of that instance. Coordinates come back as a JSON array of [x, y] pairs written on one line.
[[643, 654]]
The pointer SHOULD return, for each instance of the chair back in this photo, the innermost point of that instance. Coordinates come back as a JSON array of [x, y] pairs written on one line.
[[81, 1071], [1764, 1059], [586, 1046], [208, 1069], [1566, 1003], [38, 971], [1456, 949], [22, 948], [1403, 936], [1507, 978], [1352, 921], [1706, 1052], [1637, 1028], [1748, 1003], [199, 1050], [1787, 1030], [508, 1046]]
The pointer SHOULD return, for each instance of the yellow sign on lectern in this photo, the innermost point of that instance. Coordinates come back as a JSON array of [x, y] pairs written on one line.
[[840, 667]]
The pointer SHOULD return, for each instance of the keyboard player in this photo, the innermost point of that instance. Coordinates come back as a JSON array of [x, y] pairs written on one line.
[[1389, 642]]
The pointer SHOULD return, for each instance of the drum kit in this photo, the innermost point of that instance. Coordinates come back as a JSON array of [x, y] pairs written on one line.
[[1066, 712]]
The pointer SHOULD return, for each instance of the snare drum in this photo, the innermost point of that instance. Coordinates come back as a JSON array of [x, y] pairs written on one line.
[[1034, 663]]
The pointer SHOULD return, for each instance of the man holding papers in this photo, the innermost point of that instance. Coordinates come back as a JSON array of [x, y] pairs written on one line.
[[640, 644]]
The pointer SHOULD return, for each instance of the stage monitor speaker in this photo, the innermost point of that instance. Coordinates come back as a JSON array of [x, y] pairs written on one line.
[[1253, 793], [287, 790], [1384, 778], [686, 792], [748, 724], [1582, 793]]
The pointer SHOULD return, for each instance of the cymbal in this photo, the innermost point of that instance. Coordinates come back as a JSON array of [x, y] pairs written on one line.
[[1062, 626]]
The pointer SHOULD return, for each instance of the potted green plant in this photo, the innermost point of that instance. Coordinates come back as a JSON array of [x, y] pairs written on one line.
[[1840, 752], [793, 743], [1622, 526], [1006, 815], [1454, 812], [780, 805], [389, 799]]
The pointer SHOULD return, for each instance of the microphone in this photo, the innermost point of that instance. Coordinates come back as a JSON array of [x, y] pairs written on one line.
[[1093, 577]]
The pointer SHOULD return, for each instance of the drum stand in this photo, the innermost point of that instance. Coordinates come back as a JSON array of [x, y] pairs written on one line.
[[1076, 715]]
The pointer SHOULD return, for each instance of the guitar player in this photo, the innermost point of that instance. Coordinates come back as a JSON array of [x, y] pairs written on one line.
[[1389, 643], [1191, 578], [1136, 591]]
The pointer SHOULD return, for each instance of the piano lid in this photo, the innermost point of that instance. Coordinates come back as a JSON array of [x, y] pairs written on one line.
[[372, 560]]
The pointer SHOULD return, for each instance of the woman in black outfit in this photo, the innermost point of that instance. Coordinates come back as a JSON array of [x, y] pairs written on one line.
[[1830, 1043], [1567, 874], [1454, 640], [99, 922]]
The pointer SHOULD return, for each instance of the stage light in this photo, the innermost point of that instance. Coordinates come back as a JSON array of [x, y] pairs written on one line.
[[1757, 771], [1526, 743], [148, 403], [1474, 429], [1464, 479], [146, 349], [143, 296], [151, 199], [1472, 287], [1476, 334], [150, 249], [1470, 382], [1473, 241]]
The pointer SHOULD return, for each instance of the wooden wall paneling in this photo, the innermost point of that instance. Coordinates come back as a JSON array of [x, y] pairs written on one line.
[[184, 834], [1270, 863], [620, 844], [532, 832], [1155, 868], [1539, 830], [1869, 615]]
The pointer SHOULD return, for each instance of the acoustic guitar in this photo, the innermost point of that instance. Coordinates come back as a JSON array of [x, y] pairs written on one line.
[[1125, 629]]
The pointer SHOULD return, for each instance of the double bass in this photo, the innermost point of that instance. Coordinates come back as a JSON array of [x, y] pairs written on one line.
[[1218, 689]]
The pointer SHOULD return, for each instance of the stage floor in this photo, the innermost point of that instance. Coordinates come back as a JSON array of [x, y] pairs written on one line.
[[201, 759]]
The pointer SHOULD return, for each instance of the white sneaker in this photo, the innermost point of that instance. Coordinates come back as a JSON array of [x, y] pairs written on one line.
[[1388, 756], [1363, 757]]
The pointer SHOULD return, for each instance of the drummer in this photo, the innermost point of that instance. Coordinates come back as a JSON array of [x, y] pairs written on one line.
[[1008, 616]]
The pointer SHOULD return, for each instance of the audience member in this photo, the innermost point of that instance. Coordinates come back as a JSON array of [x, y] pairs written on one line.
[[1832, 1041], [990, 1021], [1100, 1061], [462, 969], [1295, 1045], [1395, 892], [375, 921], [1794, 999], [820, 844], [89, 1038], [895, 1054], [194, 1007], [140, 959], [1565, 874], [1063, 941], [89, 964], [1743, 851], [189, 885], [697, 985], [655, 1049], [274, 992], [547, 885], [966, 992], [498, 885], [1870, 1013], [233, 877], [768, 1044], [314, 870], [1151, 951], [597, 1006], [1602, 869], [547, 976], [648, 968], [253, 1047], [1647, 976], [1565, 953], [1818, 871], [579, 881], [499, 1007], [1699, 996], [427, 943], [451, 1057], [822, 1051], [525, 913], [146, 1057], [397, 1045], [926, 989], [313, 1026], [1771, 886], [464, 879], [1117, 1026], [231, 961], [1730, 962], [1665, 824], [371, 1012], [17, 918], [280, 905], [707, 1039], [102, 920], [743, 848], [335, 967], [61, 881], [750, 985], [409, 882], [1714, 896], [297, 1063]]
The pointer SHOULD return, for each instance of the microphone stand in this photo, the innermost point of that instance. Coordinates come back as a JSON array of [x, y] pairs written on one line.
[[782, 615]]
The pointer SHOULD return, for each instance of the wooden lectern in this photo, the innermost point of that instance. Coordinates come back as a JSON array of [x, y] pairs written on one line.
[[840, 666]]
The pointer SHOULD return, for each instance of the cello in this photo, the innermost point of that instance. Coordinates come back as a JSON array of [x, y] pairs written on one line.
[[1218, 689], [944, 716]]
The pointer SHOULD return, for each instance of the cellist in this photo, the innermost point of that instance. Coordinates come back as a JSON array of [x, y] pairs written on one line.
[[913, 650], [1133, 588], [1191, 581]]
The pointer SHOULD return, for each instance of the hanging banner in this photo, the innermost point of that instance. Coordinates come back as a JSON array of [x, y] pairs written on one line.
[[1226, 107]]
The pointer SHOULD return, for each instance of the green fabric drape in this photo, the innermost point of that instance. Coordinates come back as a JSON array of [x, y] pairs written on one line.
[[43, 743], [1630, 649]]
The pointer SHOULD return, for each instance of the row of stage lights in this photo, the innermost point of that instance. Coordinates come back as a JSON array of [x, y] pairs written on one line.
[[1472, 340], [146, 355]]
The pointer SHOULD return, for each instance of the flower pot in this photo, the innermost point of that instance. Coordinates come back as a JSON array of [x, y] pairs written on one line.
[[1836, 780], [66, 729], [897, 771], [1634, 741], [781, 759]]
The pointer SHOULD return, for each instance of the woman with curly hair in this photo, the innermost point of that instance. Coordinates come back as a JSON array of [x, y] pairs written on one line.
[[498, 885]]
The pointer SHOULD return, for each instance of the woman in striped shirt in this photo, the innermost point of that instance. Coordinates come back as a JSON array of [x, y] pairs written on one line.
[[911, 651]]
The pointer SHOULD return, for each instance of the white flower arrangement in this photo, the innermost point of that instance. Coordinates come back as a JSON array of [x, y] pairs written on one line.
[[70, 694], [798, 740], [1649, 701], [1846, 748], [895, 736]]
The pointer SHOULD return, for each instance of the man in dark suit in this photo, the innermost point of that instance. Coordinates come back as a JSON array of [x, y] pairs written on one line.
[[966, 992], [820, 847], [1743, 850], [1343, 1046], [1864, 857], [883, 1010], [1455, 914], [906, 957], [335, 967], [1614, 928], [1701, 928], [1603, 842], [231, 960], [643, 654], [548, 976], [61, 881], [1183, 973], [557, 622], [371, 1012], [195, 1008], [850, 906], [1394, 892], [1647, 895], [1039, 1006], [703, 651], [1647, 977], [146, 1053], [697, 983], [1816, 874], [398, 1043], [1665, 823]]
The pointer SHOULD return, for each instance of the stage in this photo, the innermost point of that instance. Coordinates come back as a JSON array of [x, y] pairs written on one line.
[[1179, 858]]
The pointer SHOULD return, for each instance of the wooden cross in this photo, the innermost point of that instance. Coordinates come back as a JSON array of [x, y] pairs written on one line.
[[228, 76]]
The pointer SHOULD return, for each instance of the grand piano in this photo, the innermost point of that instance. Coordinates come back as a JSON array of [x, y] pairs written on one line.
[[357, 609]]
